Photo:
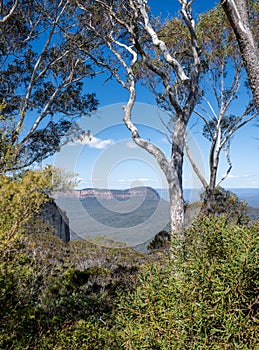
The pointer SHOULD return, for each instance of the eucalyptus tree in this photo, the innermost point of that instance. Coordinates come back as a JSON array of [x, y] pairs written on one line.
[[41, 86], [224, 85], [243, 17], [134, 48]]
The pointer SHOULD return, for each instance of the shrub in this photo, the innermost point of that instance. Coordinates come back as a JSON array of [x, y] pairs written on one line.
[[80, 335], [228, 204], [161, 242], [208, 300]]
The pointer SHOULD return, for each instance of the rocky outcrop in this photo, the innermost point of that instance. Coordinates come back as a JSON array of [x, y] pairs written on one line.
[[136, 192], [57, 219]]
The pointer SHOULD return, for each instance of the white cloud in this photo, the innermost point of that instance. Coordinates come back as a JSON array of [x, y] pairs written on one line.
[[99, 143], [82, 181], [82, 140], [242, 177], [93, 142], [141, 179], [146, 179], [232, 176]]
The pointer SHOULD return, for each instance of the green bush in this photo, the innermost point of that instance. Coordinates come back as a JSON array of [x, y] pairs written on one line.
[[227, 203], [84, 296], [54, 295], [81, 335], [208, 300]]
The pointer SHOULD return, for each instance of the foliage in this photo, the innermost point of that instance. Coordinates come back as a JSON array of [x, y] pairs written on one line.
[[227, 122], [19, 289], [20, 198], [82, 296], [208, 300], [228, 204], [161, 241], [216, 37], [85, 296], [41, 82], [55, 294], [7, 150], [81, 335]]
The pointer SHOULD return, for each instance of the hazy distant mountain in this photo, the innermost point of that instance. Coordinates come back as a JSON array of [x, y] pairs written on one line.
[[250, 195], [137, 192], [131, 216]]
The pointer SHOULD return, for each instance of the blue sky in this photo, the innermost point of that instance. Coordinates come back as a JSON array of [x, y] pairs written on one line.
[[111, 160]]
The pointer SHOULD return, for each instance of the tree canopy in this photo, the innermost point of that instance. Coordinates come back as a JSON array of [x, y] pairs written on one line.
[[85, 295], [41, 79]]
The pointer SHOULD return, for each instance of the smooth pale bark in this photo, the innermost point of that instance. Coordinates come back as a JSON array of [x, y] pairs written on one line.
[[172, 170], [169, 71], [210, 191], [209, 187], [237, 12], [175, 180]]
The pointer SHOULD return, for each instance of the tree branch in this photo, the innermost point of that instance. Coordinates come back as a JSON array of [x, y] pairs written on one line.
[[194, 166], [227, 152], [11, 12], [160, 44], [34, 76]]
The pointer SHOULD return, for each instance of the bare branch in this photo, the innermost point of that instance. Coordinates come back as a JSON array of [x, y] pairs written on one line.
[[148, 146], [194, 166], [45, 111], [186, 11], [34, 74], [165, 81], [206, 122], [227, 153], [235, 85], [160, 44], [11, 12]]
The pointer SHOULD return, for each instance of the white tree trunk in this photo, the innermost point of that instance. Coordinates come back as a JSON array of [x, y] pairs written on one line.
[[127, 54], [238, 16], [176, 210]]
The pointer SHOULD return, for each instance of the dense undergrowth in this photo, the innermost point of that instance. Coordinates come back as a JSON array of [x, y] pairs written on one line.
[[87, 296], [83, 296]]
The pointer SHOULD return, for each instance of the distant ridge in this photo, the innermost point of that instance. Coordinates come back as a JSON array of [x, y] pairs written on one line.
[[135, 192], [133, 216], [250, 195]]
